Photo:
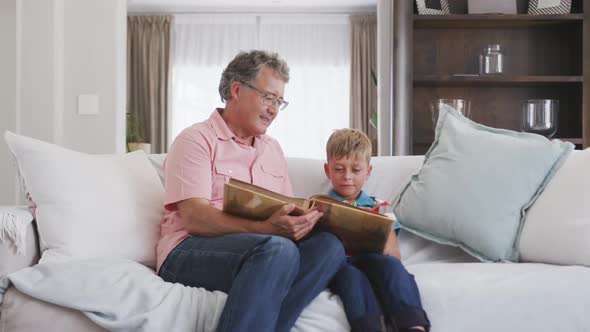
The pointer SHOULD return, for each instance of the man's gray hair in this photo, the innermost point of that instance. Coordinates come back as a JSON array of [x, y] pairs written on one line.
[[246, 66]]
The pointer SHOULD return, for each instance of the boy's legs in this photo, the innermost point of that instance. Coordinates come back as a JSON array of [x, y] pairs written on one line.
[[321, 255], [361, 306], [396, 288], [255, 270]]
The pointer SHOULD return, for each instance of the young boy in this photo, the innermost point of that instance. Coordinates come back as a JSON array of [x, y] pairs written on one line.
[[363, 276]]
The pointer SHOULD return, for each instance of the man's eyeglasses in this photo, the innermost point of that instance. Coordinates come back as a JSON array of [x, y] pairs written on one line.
[[268, 99]]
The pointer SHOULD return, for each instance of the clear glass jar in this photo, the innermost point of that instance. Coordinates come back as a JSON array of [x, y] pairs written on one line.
[[491, 61]]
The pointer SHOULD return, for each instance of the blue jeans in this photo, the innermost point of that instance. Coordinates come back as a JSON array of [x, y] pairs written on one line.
[[395, 288], [360, 303], [269, 279]]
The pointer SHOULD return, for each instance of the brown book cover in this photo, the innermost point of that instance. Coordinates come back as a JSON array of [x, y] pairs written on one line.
[[360, 230]]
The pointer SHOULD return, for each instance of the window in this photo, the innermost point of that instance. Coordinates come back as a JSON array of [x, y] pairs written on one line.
[[316, 47]]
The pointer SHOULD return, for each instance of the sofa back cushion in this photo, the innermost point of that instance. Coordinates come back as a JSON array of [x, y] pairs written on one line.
[[557, 226], [90, 205], [389, 176]]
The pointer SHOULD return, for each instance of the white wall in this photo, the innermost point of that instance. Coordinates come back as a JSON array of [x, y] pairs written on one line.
[[37, 81], [8, 66], [385, 76], [94, 63], [66, 48]]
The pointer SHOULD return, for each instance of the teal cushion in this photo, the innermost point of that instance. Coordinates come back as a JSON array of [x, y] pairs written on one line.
[[476, 184]]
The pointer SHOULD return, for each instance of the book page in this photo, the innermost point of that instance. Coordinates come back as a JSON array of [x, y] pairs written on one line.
[[256, 203], [360, 230], [299, 202], [331, 200]]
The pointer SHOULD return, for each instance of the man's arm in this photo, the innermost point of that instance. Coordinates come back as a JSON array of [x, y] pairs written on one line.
[[200, 218]]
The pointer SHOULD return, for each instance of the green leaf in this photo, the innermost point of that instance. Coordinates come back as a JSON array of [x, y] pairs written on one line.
[[374, 120], [134, 129]]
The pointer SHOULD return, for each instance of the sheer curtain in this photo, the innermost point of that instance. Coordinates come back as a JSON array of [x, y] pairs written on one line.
[[203, 45], [316, 47]]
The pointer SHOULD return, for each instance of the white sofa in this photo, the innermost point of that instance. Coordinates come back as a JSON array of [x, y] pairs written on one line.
[[458, 292]]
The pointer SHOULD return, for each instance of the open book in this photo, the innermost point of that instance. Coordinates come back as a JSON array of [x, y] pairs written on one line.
[[360, 230]]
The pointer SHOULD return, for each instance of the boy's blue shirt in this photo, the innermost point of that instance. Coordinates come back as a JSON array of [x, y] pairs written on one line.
[[364, 201]]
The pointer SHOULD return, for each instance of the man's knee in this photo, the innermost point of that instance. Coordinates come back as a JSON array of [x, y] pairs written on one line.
[[330, 245], [281, 250]]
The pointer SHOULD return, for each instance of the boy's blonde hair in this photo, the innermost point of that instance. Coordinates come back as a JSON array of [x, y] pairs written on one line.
[[349, 143]]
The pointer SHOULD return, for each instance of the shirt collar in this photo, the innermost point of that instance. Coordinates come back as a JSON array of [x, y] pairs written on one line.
[[222, 130], [363, 200]]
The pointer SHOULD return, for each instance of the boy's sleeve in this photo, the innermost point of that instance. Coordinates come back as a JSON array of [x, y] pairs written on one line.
[[384, 206]]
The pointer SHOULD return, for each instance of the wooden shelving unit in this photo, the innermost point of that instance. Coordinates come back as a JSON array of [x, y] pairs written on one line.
[[464, 21], [493, 80], [546, 56]]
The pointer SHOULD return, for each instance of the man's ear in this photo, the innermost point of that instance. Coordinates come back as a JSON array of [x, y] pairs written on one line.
[[370, 170], [327, 171], [234, 89]]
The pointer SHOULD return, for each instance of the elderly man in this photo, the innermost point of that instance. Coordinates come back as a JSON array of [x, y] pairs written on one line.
[[269, 271]]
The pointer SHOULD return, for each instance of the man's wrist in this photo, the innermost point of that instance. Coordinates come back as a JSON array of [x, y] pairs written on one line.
[[259, 227]]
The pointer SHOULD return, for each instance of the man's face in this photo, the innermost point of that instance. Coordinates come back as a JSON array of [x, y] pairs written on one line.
[[255, 116], [348, 175]]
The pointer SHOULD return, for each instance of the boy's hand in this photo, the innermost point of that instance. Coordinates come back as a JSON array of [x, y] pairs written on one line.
[[292, 227], [392, 246]]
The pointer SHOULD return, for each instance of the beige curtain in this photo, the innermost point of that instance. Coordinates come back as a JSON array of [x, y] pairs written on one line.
[[148, 63], [363, 90]]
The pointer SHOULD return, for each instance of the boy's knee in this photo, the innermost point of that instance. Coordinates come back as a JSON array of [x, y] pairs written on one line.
[[348, 273]]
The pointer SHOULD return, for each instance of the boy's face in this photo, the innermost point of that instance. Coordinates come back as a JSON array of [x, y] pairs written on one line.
[[348, 175]]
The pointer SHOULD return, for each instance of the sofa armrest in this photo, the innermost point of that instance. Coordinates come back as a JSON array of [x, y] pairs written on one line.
[[10, 261]]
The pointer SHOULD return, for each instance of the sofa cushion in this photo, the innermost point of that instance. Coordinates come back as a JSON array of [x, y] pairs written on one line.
[[11, 261], [18, 239], [492, 297], [90, 205], [476, 184], [388, 178], [557, 226], [21, 312]]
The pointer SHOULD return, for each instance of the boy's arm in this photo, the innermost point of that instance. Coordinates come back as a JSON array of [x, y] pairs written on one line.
[[392, 246]]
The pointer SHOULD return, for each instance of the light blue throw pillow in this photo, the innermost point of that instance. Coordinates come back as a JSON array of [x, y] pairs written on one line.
[[476, 184]]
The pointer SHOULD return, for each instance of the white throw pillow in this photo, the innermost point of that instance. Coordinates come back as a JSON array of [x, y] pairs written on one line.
[[557, 226], [90, 206]]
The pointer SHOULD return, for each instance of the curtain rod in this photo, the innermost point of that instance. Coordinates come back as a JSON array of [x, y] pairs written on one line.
[[253, 12]]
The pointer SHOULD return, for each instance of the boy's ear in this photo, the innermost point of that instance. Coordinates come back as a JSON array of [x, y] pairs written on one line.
[[370, 169], [327, 171]]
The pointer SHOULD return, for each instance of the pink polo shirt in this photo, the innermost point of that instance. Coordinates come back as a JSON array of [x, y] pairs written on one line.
[[202, 158]]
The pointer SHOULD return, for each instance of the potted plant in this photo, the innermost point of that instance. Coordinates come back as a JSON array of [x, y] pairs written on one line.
[[374, 116], [135, 132]]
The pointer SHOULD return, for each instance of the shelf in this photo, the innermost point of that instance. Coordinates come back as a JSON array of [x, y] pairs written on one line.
[[577, 141], [493, 20], [497, 80]]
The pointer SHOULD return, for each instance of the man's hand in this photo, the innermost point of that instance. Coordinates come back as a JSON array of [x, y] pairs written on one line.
[[292, 227], [392, 246]]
